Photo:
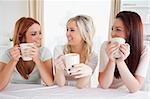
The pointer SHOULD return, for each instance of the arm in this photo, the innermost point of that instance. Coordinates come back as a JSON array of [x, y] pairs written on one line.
[[6, 70], [132, 83], [46, 71], [60, 71], [105, 78], [106, 58], [44, 67], [82, 73]]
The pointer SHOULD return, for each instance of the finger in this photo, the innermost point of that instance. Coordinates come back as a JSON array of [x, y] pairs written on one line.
[[80, 76], [76, 73], [76, 69]]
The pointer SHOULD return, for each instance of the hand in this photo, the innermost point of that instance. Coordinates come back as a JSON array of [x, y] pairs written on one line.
[[59, 63], [125, 51], [111, 47], [80, 70], [15, 53], [34, 51]]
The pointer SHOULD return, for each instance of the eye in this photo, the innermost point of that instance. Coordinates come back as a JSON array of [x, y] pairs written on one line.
[[111, 28], [33, 33], [72, 30], [67, 29], [118, 29], [40, 33]]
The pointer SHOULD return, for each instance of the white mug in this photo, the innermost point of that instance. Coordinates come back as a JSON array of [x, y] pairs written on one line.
[[71, 59], [25, 51], [117, 53]]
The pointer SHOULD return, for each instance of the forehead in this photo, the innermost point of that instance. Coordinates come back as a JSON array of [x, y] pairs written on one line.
[[71, 24], [35, 26], [118, 23]]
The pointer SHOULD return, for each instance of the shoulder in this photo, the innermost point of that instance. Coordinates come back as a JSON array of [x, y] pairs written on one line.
[[44, 50], [93, 54], [146, 50], [5, 56], [59, 47], [58, 50], [45, 53], [104, 45]]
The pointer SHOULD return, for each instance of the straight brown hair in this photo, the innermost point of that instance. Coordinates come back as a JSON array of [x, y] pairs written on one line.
[[133, 24], [21, 27]]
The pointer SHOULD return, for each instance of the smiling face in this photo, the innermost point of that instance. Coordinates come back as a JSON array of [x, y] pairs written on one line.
[[33, 35], [118, 29], [73, 34]]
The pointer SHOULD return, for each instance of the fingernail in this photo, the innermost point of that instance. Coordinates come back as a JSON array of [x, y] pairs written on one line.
[[70, 73], [72, 66], [69, 69]]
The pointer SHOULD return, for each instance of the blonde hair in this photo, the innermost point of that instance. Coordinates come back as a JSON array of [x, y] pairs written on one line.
[[86, 27]]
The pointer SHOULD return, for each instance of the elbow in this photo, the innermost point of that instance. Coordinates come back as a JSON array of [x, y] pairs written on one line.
[[2, 88], [133, 90], [81, 86], [102, 84], [60, 84], [50, 84]]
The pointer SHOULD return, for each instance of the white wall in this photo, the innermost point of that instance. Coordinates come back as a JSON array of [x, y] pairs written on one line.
[[57, 12], [10, 12]]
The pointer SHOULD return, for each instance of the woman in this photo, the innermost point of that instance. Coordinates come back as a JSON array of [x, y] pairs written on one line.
[[80, 32], [13, 68], [129, 69]]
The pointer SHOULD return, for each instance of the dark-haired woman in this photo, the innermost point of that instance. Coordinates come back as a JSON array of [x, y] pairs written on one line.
[[129, 69]]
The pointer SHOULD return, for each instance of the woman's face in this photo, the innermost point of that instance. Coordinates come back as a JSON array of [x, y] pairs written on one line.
[[73, 34], [33, 35], [118, 29]]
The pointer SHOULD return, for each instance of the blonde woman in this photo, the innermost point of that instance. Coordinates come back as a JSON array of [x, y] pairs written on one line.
[[14, 69], [80, 32]]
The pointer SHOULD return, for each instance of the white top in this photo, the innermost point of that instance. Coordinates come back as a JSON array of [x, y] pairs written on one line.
[[141, 69], [92, 61], [34, 77]]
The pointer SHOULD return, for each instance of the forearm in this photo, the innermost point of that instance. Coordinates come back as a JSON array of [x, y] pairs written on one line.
[[129, 80], [60, 77], [106, 77], [83, 82], [46, 75], [6, 73]]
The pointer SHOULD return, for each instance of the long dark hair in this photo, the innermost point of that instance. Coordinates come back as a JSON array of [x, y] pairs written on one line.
[[21, 27], [133, 24]]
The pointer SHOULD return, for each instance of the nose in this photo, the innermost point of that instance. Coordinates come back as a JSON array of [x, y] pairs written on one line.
[[67, 33], [39, 36]]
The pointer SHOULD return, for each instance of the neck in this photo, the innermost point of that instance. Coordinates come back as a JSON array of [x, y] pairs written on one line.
[[77, 49]]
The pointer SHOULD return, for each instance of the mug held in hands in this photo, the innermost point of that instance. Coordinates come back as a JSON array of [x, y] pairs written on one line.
[[25, 51], [117, 53], [71, 59]]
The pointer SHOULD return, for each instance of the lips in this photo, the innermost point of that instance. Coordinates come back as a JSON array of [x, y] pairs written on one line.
[[69, 38]]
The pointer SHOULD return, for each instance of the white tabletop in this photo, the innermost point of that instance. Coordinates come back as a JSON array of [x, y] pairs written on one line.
[[31, 91]]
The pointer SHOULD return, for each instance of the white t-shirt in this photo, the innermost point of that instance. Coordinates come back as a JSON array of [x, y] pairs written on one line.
[[92, 61], [141, 69], [34, 77]]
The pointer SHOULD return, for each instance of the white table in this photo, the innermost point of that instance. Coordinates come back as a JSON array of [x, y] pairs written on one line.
[[31, 91]]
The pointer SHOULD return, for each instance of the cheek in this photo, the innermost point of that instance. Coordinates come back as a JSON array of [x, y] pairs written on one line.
[[30, 39], [119, 34]]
